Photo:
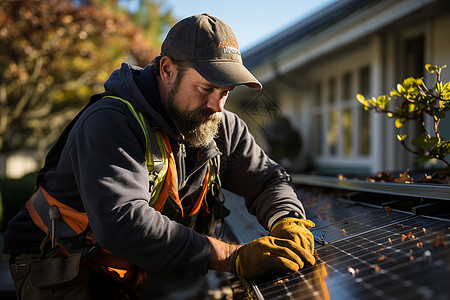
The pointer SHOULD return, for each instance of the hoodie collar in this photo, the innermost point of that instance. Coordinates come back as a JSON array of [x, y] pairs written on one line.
[[139, 86], [147, 84]]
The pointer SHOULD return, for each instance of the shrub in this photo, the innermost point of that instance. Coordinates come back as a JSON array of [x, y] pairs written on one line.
[[13, 195], [417, 101]]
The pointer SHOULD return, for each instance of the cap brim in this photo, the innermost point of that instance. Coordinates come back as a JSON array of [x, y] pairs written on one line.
[[226, 73]]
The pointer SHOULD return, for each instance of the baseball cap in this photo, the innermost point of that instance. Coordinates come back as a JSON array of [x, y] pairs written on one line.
[[210, 46]]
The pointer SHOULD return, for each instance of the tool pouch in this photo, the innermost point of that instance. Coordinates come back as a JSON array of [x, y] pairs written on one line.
[[60, 272], [51, 276]]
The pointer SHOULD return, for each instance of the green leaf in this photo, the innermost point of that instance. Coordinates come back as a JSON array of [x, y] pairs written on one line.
[[361, 99], [431, 68], [399, 122], [443, 149], [383, 102], [394, 93], [420, 142], [421, 159], [401, 137], [445, 87], [432, 142], [441, 114]]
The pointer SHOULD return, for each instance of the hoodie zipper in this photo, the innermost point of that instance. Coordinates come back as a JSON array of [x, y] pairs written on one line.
[[182, 157], [203, 164], [182, 175]]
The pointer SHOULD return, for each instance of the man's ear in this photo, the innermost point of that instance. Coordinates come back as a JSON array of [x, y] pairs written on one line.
[[167, 70]]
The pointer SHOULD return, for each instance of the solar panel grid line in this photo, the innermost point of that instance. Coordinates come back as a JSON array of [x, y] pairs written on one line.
[[409, 239], [390, 252], [368, 287], [355, 226], [393, 277], [387, 243], [279, 288], [297, 284], [343, 209], [378, 244], [387, 277], [383, 283]]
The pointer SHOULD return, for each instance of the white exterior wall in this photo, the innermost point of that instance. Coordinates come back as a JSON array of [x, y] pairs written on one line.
[[300, 106], [440, 46], [359, 40]]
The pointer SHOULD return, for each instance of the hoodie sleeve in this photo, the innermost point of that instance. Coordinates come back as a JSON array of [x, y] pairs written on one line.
[[110, 171], [247, 171]]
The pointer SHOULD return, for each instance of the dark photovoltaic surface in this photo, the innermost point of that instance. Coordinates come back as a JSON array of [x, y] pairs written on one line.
[[368, 252]]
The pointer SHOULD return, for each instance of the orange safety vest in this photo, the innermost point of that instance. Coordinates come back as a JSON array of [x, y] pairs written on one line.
[[73, 223]]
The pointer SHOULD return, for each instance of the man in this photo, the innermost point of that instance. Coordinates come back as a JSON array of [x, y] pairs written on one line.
[[107, 188]]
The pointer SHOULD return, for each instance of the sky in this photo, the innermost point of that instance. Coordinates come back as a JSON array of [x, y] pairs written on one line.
[[252, 21]]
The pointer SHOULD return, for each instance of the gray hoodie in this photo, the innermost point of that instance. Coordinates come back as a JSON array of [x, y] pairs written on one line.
[[102, 171]]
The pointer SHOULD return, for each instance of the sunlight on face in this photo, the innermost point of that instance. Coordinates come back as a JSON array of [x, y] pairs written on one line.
[[195, 105]]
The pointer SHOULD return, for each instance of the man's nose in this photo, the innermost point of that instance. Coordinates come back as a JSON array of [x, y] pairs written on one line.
[[216, 101]]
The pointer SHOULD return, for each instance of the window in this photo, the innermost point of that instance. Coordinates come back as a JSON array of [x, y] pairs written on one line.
[[332, 117], [347, 86], [414, 57], [331, 91], [341, 125], [347, 120], [347, 128], [364, 123]]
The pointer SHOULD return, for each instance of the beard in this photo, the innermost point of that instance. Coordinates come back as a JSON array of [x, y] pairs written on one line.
[[199, 127]]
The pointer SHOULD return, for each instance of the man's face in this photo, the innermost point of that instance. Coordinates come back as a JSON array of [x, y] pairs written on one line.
[[196, 107]]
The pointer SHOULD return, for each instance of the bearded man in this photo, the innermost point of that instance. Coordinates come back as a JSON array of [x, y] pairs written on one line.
[[132, 185]]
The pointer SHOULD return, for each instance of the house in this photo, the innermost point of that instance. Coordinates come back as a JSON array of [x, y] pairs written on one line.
[[312, 71]]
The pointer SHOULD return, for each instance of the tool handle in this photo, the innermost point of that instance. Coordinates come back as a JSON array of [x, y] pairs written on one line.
[[54, 215]]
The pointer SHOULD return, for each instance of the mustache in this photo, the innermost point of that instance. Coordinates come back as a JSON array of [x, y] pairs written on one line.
[[206, 114]]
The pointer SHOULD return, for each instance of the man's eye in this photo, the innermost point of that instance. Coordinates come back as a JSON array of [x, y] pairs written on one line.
[[207, 89]]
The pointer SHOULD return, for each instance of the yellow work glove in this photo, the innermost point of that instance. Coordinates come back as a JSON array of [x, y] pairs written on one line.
[[296, 230], [270, 254]]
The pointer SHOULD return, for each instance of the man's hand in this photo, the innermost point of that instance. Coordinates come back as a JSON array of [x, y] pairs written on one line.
[[296, 230], [289, 247], [269, 255]]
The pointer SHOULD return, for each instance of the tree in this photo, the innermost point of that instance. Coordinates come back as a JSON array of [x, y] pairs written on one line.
[[53, 56], [153, 20]]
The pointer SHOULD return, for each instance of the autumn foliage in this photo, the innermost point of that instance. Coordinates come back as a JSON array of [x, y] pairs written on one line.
[[53, 56]]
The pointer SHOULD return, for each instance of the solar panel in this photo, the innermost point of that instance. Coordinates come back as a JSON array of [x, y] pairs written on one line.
[[365, 251], [400, 257], [358, 224], [322, 210]]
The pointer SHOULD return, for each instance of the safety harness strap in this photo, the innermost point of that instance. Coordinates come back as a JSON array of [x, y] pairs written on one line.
[[154, 157], [74, 222]]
